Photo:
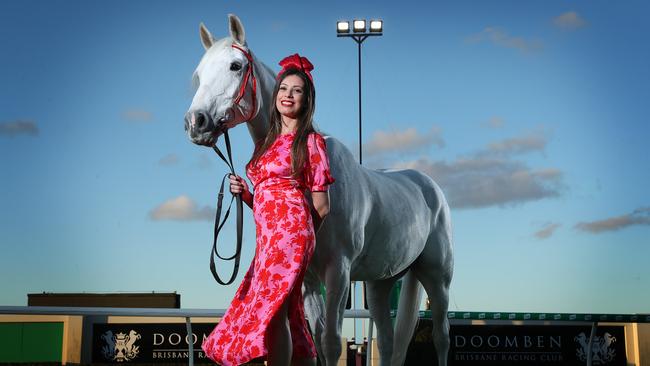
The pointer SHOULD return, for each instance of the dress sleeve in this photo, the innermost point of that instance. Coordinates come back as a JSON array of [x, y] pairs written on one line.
[[318, 173]]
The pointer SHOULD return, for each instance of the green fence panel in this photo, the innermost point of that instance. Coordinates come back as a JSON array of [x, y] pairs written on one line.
[[42, 342], [31, 342], [11, 339]]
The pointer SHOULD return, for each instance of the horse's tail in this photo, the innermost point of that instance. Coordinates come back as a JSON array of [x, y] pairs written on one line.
[[407, 317]]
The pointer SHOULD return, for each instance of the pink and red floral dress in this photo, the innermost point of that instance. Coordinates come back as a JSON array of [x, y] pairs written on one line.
[[285, 244]]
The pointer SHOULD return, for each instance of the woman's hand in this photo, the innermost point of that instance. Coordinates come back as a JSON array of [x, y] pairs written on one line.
[[238, 185]]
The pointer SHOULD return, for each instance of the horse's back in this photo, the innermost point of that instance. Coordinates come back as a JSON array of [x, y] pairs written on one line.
[[394, 210], [428, 190], [369, 184]]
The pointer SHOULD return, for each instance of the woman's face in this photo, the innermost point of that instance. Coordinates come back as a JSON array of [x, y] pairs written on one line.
[[290, 96]]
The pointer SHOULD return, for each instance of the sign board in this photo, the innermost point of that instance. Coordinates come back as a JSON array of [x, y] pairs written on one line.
[[150, 343], [530, 345], [476, 345]]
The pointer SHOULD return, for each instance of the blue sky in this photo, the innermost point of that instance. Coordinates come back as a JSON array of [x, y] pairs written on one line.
[[530, 115]]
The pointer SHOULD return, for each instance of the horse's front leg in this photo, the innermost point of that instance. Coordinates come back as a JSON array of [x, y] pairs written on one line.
[[314, 308], [337, 284]]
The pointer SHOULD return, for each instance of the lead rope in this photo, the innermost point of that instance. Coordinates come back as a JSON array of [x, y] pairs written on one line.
[[218, 225], [250, 75]]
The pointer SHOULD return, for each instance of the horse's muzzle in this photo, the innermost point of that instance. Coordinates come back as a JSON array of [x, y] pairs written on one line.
[[201, 128]]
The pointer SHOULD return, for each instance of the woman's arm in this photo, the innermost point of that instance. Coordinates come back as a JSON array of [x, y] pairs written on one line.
[[239, 186], [320, 208]]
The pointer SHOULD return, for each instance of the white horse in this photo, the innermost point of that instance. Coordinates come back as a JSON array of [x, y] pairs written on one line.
[[383, 225]]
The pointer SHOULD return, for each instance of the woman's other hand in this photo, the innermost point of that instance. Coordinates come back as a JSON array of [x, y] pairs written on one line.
[[320, 208]]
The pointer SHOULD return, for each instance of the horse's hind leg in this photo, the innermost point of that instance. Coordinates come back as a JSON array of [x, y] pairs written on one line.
[[407, 317], [378, 293], [434, 270], [439, 300]]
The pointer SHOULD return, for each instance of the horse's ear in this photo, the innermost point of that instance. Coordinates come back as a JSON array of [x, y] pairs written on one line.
[[237, 29], [206, 37]]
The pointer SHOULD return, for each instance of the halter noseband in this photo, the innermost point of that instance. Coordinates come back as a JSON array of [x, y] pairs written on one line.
[[242, 89]]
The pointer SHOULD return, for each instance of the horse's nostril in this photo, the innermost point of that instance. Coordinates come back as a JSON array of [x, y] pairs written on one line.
[[200, 120]]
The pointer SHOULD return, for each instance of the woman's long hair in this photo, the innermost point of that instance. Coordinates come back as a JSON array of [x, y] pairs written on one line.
[[303, 128]]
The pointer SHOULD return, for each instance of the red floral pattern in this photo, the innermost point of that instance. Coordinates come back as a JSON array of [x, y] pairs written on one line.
[[285, 244]]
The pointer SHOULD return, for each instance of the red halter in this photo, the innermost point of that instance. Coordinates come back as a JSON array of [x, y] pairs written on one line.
[[242, 89]]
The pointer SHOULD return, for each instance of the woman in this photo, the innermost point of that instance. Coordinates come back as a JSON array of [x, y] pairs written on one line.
[[267, 317]]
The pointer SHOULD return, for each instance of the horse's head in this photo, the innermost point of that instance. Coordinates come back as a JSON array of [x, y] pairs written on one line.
[[224, 81]]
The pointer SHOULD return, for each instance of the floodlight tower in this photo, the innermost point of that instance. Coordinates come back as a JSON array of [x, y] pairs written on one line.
[[360, 32]]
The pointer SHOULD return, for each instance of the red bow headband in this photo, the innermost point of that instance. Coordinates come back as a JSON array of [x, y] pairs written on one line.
[[295, 61]]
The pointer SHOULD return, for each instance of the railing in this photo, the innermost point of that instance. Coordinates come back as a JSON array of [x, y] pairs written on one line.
[[594, 319], [565, 317]]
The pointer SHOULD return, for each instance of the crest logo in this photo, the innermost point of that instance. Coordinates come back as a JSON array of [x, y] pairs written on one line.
[[120, 347], [601, 352]]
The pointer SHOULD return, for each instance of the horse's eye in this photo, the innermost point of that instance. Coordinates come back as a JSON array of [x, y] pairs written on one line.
[[235, 66]]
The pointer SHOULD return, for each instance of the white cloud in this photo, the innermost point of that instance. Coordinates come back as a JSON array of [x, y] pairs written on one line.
[[181, 208], [494, 122], [535, 141], [137, 115], [547, 231], [640, 216], [569, 21], [169, 159], [500, 37], [407, 140], [19, 127], [482, 181]]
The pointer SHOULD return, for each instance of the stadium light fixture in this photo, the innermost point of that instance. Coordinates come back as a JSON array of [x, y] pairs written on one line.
[[359, 26], [343, 27]]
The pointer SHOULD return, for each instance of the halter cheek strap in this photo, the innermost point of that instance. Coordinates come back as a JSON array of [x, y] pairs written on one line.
[[242, 89]]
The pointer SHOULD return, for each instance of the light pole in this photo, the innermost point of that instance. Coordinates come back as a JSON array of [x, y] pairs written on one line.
[[359, 32]]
